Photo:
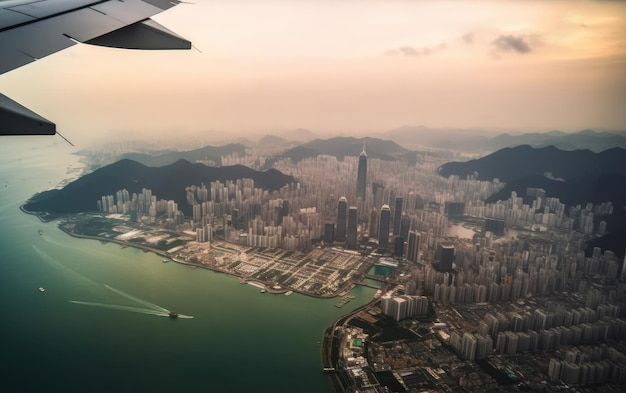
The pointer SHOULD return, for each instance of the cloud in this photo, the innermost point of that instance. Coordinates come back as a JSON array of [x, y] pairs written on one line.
[[508, 43], [468, 38], [408, 51], [416, 52]]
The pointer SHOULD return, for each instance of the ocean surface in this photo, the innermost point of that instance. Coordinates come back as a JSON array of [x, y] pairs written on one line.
[[101, 323]]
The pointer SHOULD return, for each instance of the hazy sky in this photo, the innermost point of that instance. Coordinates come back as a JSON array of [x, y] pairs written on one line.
[[349, 67]]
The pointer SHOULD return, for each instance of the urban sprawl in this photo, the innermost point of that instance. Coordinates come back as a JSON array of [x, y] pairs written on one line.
[[471, 296]]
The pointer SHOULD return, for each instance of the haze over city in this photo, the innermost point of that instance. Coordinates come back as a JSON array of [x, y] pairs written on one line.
[[349, 67], [320, 196]]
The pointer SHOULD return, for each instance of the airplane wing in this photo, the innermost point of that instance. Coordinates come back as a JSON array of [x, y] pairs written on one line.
[[32, 29]]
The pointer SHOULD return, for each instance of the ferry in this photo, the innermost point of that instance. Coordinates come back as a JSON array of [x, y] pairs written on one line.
[[172, 314], [41, 289]]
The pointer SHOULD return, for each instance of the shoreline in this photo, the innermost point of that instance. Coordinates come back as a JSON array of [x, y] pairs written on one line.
[[243, 280], [38, 215]]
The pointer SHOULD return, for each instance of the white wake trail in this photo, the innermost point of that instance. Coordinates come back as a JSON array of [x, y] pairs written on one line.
[[122, 308], [50, 260], [138, 300]]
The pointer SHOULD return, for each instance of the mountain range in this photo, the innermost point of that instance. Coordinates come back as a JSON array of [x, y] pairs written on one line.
[[479, 140], [166, 182], [341, 147], [575, 177], [166, 157]]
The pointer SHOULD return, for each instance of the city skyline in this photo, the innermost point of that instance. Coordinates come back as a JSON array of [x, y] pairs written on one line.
[[352, 67], [534, 291], [453, 277]]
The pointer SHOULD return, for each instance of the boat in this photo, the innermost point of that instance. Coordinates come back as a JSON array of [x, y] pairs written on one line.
[[40, 232], [41, 289], [288, 293], [166, 260], [263, 290], [172, 314]]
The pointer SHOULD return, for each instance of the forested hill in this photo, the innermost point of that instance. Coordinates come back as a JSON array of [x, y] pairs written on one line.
[[166, 182]]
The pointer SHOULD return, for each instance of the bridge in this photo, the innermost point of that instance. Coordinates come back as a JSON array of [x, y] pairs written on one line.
[[376, 278], [364, 284]]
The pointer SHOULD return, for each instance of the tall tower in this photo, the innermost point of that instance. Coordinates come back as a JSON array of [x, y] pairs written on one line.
[[342, 213], [413, 246], [445, 255], [397, 216], [352, 225], [383, 228], [361, 177]]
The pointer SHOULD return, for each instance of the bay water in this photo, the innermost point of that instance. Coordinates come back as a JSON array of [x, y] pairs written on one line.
[[100, 326]]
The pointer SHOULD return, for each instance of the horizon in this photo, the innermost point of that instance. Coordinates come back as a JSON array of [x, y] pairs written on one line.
[[348, 68]]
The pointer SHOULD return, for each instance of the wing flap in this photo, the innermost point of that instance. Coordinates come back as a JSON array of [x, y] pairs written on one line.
[[147, 34]]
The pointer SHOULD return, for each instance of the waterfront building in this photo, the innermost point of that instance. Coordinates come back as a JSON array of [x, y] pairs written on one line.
[[361, 179]]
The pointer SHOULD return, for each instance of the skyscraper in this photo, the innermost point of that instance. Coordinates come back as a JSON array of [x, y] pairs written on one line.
[[361, 178], [397, 216], [383, 228], [329, 233], [413, 246], [352, 225], [445, 255], [342, 213]]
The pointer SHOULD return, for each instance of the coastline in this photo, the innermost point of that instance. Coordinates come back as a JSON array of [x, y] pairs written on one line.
[[268, 287], [41, 218], [330, 348]]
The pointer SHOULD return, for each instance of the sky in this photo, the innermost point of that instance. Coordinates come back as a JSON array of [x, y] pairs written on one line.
[[344, 67]]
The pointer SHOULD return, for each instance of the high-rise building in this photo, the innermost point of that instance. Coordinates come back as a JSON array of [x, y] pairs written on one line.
[[397, 216], [352, 226], [373, 224], [383, 228], [413, 246], [454, 209], [329, 233], [361, 177], [495, 226], [283, 211], [342, 213], [398, 246], [377, 191], [445, 255]]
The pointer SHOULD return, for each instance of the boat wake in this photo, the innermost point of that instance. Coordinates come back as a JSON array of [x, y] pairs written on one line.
[[138, 300], [153, 309], [61, 267], [122, 308]]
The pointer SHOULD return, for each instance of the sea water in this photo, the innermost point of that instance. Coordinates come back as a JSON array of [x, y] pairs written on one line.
[[83, 334]]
